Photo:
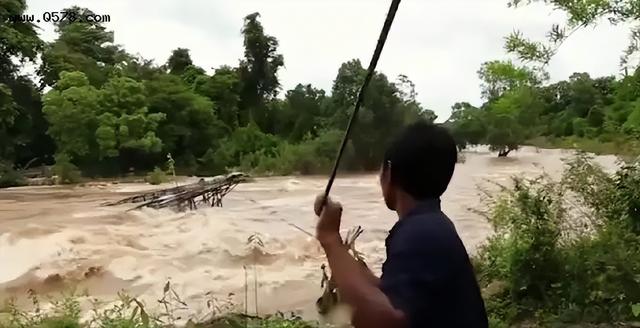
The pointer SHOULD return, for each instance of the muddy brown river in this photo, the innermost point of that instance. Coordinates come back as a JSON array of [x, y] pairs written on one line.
[[55, 237]]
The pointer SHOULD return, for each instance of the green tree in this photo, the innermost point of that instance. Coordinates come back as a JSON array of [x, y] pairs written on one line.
[[411, 107], [512, 119], [124, 123], [299, 115], [383, 112], [258, 72], [81, 46], [71, 107], [191, 127], [632, 125], [467, 124], [179, 60], [246, 146], [102, 129], [499, 77], [192, 73], [223, 89], [22, 125], [580, 14], [139, 68]]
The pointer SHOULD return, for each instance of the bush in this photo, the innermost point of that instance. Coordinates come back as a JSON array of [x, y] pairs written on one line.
[[243, 148], [157, 177], [128, 312], [567, 251], [9, 177], [311, 156], [66, 171]]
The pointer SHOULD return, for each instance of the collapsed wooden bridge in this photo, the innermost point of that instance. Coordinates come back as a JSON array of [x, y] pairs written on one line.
[[187, 197]]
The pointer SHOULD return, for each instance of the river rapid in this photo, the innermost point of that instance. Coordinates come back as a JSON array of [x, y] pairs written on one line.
[[55, 237]]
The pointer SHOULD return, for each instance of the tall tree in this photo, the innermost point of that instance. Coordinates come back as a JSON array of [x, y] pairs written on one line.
[[81, 46], [383, 112], [467, 124], [512, 119], [191, 127], [179, 60], [499, 77], [108, 128], [258, 71], [70, 108], [22, 124], [124, 124], [300, 114], [412, 109], [223, 88]]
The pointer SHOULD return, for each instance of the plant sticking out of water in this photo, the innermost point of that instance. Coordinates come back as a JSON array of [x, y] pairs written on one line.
[[171, 166], [331, 296], [171, 302], [126, 312], [255, 247]]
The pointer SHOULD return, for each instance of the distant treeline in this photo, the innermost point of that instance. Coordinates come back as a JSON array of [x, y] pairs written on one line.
[[93, 106]]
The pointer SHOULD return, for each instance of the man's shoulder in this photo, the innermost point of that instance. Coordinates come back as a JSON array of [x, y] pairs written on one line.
[[423, 229]]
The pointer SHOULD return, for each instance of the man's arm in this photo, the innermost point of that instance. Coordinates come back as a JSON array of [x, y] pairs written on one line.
[[371, 278], [372, 307]]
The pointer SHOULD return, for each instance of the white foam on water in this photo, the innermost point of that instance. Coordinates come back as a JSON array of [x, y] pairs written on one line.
[[19, 256]]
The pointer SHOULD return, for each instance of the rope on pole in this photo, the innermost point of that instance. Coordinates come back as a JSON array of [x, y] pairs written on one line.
[[372, 67]]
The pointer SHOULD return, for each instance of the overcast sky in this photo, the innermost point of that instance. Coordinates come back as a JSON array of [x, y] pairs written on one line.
[[439, 44]]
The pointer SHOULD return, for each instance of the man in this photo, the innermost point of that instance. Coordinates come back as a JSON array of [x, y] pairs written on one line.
[[427, 279]]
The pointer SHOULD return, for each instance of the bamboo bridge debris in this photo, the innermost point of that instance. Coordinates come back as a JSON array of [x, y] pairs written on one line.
[[187, 197]]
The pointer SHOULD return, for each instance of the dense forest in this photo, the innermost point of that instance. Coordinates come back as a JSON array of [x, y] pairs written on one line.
[[93, 107], [97, 107]]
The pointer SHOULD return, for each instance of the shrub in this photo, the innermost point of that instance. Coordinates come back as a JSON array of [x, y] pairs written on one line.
[[241, 148], [568, 251], [66, 171], [129, 312], [9, 177], [157, 176], [310, 156]]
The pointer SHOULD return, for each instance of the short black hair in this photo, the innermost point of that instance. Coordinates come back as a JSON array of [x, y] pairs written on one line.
[[421, 160]]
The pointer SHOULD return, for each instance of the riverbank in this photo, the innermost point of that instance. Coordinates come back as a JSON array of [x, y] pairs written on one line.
[[627, 149]]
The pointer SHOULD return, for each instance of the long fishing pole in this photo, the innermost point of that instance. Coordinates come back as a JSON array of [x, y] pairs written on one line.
[[372, 67]]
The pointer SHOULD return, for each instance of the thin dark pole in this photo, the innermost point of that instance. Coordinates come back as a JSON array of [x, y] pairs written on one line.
[[372, 67]]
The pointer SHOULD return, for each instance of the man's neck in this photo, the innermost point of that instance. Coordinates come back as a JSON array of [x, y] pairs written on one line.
[[407, 204], [404, 205]]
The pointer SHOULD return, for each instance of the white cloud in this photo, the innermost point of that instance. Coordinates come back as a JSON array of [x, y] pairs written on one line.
[[439, 44]]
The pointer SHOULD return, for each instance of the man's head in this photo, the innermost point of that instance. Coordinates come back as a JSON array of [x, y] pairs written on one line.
[[418, 164]]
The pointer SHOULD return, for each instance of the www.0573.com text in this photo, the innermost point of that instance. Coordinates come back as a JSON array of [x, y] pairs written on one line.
[[61, 16]]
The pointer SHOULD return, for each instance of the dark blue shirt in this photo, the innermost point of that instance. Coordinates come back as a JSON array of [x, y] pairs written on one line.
[[428, 274]]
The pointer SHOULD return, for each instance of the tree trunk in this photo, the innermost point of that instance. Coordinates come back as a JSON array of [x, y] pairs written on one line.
[[504, 152]]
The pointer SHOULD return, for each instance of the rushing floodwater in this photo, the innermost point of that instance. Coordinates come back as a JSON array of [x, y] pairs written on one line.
[[51, 237]]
